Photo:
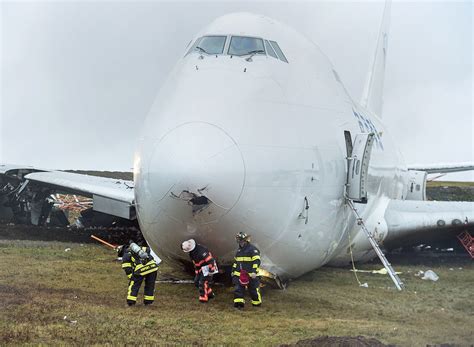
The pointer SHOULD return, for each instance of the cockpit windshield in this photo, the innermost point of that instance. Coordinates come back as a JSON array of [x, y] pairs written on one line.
[[240, 45], [211, 44]]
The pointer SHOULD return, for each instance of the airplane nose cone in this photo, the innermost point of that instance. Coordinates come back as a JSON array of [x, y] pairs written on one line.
[[195, 172]]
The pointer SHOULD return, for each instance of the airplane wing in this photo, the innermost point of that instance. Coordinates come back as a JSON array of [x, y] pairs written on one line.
[[14, 170], [442, 167], [111, 196], [408, 217]]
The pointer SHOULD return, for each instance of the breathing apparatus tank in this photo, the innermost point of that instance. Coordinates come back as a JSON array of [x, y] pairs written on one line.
[[139, 253]]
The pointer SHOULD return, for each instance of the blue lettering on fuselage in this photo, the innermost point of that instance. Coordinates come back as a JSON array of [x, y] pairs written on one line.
[[367, 126]]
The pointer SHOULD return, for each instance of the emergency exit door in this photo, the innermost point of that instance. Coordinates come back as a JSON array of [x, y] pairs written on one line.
[[358, 157]]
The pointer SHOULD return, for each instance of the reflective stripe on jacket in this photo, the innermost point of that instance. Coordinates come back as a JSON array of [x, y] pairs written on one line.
[[201, 256], [247, 258], [131, 265]]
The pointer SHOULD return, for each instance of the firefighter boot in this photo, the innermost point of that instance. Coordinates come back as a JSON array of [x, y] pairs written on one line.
[[239, 305]]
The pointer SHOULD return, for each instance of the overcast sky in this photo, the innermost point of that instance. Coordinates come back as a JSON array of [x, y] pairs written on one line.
[[78, 78]]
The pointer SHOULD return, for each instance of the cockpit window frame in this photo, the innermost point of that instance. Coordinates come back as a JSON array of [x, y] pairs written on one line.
[[193, 46]]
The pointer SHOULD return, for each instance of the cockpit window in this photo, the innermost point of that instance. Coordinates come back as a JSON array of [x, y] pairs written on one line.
[[278, 51], [211, 44], [270, 50], [240, 45]]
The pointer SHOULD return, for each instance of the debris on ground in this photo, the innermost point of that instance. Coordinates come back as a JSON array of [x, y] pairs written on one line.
[[117, 236], [67, 250], [69, 321], [419, 273], [430, 275]]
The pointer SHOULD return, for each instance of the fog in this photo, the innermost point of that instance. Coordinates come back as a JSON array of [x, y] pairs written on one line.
[[78, 78]]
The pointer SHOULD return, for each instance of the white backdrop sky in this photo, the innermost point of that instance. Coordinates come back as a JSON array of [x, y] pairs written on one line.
[[78, 78]]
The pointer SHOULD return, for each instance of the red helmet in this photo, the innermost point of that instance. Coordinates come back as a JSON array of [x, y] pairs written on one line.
[[244, 277]]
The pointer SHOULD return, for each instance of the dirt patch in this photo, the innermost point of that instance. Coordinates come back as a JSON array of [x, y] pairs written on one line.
[[10, 296], [340, 341]]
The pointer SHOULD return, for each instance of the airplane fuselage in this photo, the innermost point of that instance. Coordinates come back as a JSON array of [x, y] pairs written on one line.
[[256, 145]]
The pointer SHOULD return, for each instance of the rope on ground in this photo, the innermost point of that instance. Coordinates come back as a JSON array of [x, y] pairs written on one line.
[[352, 259]]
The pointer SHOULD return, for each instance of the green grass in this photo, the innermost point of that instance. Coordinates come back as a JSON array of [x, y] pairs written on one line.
[[449, 184], [40, 283]]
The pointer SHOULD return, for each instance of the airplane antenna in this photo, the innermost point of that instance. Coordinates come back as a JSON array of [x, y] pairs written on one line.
[[372, 98]]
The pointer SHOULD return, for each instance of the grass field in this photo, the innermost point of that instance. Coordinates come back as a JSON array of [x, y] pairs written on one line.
[[449, 184], [41, 283]]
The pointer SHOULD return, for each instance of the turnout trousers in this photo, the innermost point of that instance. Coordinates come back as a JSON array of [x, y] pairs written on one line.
[[204, 285], [254, 291], [134, 286]]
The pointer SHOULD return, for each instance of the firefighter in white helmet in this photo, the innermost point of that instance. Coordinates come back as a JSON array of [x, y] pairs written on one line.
[[204, 266]]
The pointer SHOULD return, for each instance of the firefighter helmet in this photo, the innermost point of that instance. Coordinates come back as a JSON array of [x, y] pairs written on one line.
[[188, 245], [120, 250], [241, 236]]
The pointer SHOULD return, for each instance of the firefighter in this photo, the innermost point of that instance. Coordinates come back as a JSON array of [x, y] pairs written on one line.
[[139, 265], [245, 272], [204, 266]]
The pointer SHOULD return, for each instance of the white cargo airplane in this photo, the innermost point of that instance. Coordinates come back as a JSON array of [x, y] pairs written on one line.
[[248, 134]]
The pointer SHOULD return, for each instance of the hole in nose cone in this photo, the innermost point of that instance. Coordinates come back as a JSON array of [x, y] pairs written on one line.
[[202, 160]]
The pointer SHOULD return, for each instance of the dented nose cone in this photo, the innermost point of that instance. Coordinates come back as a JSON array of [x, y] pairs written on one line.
[[195, 174]]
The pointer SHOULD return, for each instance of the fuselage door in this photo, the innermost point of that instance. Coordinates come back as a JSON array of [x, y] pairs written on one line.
[[416, 185], [358, 166]]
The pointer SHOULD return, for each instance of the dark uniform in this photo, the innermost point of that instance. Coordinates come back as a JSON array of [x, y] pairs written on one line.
[[137, 271], [201, 257], [248, 259]]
